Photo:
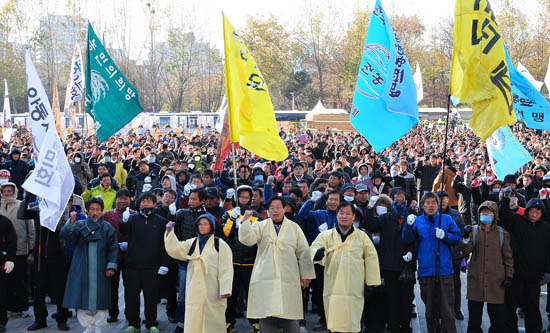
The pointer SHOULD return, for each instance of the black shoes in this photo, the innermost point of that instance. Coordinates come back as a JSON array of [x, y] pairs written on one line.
[[36, 326], [63, 326], [112, 319], [459, 315]]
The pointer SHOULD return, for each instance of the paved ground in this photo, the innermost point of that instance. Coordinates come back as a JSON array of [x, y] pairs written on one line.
[[18, 324]]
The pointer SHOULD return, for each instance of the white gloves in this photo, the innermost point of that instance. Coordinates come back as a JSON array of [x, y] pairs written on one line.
[[439, 233], [270, 180], [236, 212], [543, 193], [126, 215], [163, 270], [147, 180], [186, 189], [410, 219], [408, 257], [172, 208], [147, 187], [123, 246], [372, 201], [230, 193], [8, 266], [316, 195]]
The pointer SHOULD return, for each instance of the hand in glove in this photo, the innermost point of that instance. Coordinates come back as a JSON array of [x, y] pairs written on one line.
[[147, 187], [147, 180], [410, 219], [439, 233], [172, 208], [316, 195], [372, 201], [319, 254], [507, 283], [170, 226], [270, 180], [545, 279], [236, 213], [507, 192], [543, 193], [30, 259], [408, 257], [163, 270], [8, 266], [467, 231], [229, 194], [476, 183], [123, 246], [126, 215]]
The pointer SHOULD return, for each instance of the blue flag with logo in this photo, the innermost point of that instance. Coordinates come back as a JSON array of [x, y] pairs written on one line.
[[384, 103], [506, 153], [531, 107]]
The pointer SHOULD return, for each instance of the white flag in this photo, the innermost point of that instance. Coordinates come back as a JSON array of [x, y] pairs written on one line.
[[52, 180], [418, 83], [6, 116], [547, 77], [529, 77], [75, 86]]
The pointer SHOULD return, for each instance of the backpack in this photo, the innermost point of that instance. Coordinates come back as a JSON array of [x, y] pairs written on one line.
[[501, 235], [194, 245]]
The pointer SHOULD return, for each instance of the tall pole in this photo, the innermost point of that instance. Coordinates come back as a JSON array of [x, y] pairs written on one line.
[[234, 167]]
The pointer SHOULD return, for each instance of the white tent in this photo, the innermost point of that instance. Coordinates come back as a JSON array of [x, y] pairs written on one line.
[[320, 109]]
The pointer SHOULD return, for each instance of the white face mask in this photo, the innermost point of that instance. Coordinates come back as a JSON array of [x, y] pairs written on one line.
[[394, 173], [3, 181], [380, 210], [197, 158], [77, 159], [348, 198]]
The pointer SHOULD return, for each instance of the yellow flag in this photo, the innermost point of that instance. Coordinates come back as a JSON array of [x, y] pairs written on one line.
[[55, 109], [251, 118], [479, 74]]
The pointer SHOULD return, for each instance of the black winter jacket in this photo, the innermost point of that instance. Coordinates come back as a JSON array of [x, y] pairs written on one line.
[[242, 254]]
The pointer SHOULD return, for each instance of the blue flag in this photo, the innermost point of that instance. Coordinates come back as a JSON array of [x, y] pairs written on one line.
[[506, 154], [531, 107], [384, 103]]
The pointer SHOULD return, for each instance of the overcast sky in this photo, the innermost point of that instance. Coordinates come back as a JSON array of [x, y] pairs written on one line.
[[208, 13]]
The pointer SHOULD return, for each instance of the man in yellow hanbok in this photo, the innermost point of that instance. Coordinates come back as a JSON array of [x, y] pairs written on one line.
[[351, 262], [209, 275]]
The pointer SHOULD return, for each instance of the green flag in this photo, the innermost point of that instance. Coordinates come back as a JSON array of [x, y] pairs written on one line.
[[110, 99]]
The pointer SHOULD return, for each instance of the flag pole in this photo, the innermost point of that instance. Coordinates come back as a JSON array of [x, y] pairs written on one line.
[[234, 164], [437, 294]]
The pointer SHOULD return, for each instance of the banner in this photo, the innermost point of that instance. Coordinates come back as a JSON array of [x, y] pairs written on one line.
[[6, 116], [479, 74], [55, 109], [52, 180], [110, 99], [224, 145], [418, 84], [506, 153], [251, 116], [385, 105], [530, 106], [75, 86]]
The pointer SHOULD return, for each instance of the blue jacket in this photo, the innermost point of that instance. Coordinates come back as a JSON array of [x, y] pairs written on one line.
[[422, 232], [314, 219]]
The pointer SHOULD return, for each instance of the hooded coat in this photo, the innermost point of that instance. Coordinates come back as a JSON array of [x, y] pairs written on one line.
[[530, 241], [81, 169], [23, 227], [18, 169], [491, 261], [209, 276]]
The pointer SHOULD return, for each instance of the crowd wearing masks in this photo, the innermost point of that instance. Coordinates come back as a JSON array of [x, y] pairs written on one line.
[[335, 229]]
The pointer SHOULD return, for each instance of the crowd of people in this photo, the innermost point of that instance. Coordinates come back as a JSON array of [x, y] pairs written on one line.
[[335, 226]]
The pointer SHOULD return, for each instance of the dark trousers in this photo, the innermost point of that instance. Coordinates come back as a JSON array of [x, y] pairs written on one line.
[[3, 297], [168, 289], [374, 314], [445, 300], [317, 292], [399, 297], [52, 278], [467, 217], [146, 280], [17, 286], [115, 283], [457, 285], [524, 294], [241, 283], [475, 313]]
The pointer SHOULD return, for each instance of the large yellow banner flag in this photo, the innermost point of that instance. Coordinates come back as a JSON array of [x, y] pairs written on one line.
[[479, 74], [251, 118]]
